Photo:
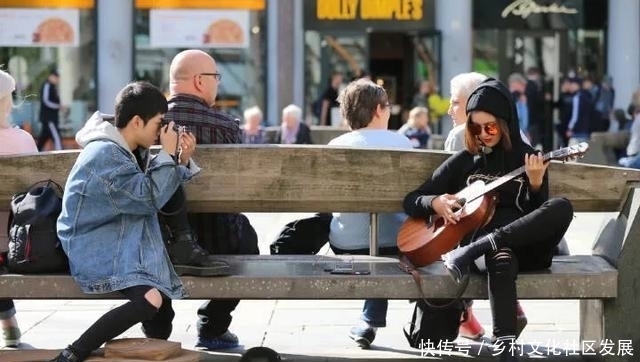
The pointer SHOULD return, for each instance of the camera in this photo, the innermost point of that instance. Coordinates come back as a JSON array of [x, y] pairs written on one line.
[[178, 129]]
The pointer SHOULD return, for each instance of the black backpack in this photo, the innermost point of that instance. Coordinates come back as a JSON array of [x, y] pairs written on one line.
[[432, 325], [34, 246], [434, 321]]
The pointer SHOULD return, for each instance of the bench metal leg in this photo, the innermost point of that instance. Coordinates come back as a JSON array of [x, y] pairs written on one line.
[[591, 322], [373, 235]]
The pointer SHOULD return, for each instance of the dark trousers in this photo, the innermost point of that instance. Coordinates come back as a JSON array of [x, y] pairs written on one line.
[[118, 320], [374, 311], [174, 216], [229, 234], [218, 234], [526, 244], [214, 317], [7, 309], [49, 131]]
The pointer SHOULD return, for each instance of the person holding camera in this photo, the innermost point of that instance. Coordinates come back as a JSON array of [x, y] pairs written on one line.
[[109, 215]]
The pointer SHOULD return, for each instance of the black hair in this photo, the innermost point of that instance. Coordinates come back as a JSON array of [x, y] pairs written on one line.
[[141, 99]]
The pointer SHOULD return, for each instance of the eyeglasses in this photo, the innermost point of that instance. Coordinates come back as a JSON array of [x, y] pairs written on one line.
[[218, 76], [490, 128]]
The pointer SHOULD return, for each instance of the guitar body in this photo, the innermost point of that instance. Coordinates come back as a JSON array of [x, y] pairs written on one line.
[[423, 241]]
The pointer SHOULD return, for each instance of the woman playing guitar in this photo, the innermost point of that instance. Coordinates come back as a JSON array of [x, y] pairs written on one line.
[[520, 234]]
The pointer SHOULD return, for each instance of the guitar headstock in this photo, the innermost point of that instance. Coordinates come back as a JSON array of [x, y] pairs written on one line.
[[570, 153]]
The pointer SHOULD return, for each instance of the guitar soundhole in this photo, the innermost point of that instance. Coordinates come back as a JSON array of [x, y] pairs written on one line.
[[437, 223]]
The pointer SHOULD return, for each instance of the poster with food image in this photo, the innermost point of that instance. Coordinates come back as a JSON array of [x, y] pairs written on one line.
[[199, 28], [39, 28]]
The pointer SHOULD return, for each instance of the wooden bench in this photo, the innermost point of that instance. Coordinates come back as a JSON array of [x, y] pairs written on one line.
[[274, 178]]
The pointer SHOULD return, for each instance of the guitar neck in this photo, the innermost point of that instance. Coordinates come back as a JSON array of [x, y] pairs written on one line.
[[511, 175]]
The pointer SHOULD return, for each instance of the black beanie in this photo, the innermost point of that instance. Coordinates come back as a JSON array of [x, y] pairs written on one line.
[[490, 100]]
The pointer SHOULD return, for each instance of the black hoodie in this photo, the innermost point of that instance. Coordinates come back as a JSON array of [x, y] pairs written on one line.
[[515, 198]]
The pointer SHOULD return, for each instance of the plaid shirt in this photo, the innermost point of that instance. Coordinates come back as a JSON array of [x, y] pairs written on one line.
[[209, 125]]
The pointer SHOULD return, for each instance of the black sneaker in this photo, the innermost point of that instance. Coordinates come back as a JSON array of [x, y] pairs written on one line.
[[363, 336], [189, 258], [66, 356]]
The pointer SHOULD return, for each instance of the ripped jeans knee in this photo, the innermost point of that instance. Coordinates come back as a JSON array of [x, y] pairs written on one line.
[[502, 262]]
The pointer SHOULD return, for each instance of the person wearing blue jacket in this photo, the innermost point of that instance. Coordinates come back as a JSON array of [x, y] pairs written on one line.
[[109, 226]]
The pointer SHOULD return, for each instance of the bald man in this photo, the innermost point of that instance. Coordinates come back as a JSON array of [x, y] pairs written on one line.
[[194, 80], [193, 86]]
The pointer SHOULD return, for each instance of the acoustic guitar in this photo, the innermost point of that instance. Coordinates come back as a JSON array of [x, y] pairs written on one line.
[[423, 241]]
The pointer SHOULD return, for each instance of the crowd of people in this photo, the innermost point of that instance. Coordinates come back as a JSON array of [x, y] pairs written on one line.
[[496, 128]]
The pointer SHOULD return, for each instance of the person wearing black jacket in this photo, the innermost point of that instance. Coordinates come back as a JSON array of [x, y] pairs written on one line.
[[526, 225], [49, 112]]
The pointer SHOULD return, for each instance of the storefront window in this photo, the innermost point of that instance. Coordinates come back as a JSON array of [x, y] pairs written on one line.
[[485, 52], [498, 53], [393, 42], [326, 54], [554, 36], [589, 52], [33, 41], [160, 34]]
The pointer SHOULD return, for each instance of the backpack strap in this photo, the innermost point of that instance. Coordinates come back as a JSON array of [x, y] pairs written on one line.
[[407, 266], [9, 221]]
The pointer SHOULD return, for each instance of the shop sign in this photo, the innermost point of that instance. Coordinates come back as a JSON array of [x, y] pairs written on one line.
[[39, 28], [374, 14], [201, 4], [528, 14], [74, 4], [199, 28], [524, 8]]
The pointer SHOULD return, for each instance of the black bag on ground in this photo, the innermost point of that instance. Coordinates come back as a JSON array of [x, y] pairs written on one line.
[[304, 236], [433, 324], [34, 246]]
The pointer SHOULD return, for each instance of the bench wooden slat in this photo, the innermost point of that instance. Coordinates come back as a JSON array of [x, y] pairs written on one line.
[[274, 178], [303, 277]]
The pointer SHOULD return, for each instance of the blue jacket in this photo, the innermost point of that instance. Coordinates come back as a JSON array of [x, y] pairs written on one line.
[[109, 226]]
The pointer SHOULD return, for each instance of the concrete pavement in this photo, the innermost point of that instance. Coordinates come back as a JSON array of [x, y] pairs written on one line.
[[312, 330]]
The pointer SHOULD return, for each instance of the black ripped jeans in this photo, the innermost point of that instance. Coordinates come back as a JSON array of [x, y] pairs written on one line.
[[526, 244]]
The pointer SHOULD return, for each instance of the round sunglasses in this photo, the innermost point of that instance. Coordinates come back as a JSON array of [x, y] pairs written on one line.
[[490, 128]]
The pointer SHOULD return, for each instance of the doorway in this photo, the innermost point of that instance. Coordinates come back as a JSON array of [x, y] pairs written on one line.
[[399, 62], [390, 65]]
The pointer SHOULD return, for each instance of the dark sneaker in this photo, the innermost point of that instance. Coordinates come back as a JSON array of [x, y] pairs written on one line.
[[226, 340], [189, 258], [66, 356], [363, 336], [11, 336], [521, 322]]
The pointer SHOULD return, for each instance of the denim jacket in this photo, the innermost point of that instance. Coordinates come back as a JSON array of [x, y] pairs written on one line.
[[109, 226]]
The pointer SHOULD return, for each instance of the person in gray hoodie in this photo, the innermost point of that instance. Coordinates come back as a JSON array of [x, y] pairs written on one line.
[[109, 225]]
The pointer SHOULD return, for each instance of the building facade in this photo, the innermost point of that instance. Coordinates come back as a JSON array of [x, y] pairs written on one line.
[[284, 50]]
